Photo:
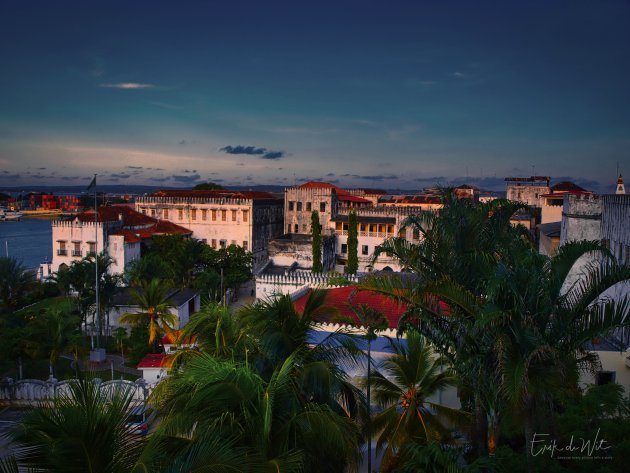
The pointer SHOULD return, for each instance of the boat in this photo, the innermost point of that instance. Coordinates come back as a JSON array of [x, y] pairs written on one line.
[[8, 215]]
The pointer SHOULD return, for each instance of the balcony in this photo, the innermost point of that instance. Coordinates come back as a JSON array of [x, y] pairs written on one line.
[[62, 252], [76, 252]]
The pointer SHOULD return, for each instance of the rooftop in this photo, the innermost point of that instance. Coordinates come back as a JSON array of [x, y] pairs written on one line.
[[152, 360]]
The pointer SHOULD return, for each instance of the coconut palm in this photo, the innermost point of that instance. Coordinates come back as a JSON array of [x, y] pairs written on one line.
[[15, 281], [542, 325], [84, 430], [403, 387], [154, 310]]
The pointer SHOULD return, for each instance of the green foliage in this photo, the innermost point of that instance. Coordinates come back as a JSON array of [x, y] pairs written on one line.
[[154, 311], [188, 262], [83, 430], [258, 397], [208, 186], [15, 283], [353, 243], [316, 232]]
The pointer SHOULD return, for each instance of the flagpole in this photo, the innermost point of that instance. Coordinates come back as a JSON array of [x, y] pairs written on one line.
[[98, 318]]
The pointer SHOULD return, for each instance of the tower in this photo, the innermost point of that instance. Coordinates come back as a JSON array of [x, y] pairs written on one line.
[[620, 187]]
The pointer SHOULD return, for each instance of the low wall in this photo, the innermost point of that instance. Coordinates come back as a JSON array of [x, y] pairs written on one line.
[[28, 392]]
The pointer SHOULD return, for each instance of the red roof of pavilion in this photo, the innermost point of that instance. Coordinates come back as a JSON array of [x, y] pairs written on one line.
[[152, 360]]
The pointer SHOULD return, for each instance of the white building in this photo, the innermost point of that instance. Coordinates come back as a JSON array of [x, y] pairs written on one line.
[[221, 218], [118, 231]]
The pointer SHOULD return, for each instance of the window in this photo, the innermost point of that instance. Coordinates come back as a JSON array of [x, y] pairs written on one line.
[[234, 215], [214, 215], [193, 214], [62, 251], [291, 205], [91, 247], [416, 235], [289, 228], [303, 228], [322, 206], [245, 215], [338, 226], [165, 214], [299, 206], [152, 212], [364, 249], [204, 241], [606, 377], [344, 248], [296, 228], [214, 243], [362, 227], [308, 206], [223, 243], [76, 250], [223, 215], [402, 233], [180, 214], [204, 214], [245, 245]]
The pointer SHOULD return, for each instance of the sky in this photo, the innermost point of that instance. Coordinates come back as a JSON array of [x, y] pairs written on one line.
[[399, 94]]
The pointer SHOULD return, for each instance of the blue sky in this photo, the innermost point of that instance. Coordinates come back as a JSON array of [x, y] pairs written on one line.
[[370, 94]]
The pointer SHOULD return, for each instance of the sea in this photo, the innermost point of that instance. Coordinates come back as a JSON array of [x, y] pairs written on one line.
[[29, 240]]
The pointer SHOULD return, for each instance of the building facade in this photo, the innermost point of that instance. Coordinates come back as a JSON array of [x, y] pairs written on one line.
[[221, 218], [118, 230]]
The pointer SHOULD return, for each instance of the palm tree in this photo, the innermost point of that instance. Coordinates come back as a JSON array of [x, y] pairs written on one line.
[[402, 388], [543, 325], [15, 281], [372, 321], [154, 310], [84, 430], [261, 425]]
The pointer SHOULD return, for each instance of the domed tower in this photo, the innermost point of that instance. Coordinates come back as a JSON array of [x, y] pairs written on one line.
[[620, 187]]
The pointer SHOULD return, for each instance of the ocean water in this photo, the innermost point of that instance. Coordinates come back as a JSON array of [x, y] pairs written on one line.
[[29, 240]]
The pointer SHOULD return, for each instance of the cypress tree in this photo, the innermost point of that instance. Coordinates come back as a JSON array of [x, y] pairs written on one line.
[[316, 232], [353, 243]]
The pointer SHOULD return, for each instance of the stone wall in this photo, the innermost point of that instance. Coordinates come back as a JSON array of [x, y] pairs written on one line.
[[581, 218]]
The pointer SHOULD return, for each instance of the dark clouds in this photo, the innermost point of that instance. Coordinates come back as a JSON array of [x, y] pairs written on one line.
[[263, 153], [370, 178], [187, 179], [120, 176]]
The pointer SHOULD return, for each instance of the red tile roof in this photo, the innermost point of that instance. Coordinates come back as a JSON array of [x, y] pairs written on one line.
[[112, 213], [318, 185], [353, 198], [215, 194], [130, 237], [412, 199], [340, 297], [163, 227], [566, 186], [152, 361]]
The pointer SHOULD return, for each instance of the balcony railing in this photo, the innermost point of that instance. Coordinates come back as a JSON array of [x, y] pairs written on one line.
[[62, 252], [76, 252]]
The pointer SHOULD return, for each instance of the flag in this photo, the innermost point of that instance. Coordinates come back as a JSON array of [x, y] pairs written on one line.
[[92, 184]]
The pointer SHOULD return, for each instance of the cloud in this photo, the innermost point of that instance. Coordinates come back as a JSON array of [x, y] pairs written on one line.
[[187, 179], [127, 85], [264, 153], [458, 74], [10, 176], [120, 176], [188, 171], [70, 178], [159, 179], [330, 174], [371, 178], [42, 169], [135, 167], [182, 142]]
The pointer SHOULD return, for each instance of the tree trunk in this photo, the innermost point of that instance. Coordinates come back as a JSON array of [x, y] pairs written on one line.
[[480, 436]]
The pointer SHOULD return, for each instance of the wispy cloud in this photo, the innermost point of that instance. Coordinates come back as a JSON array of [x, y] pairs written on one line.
[[127, 85], [264, 153], [120, 176]]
